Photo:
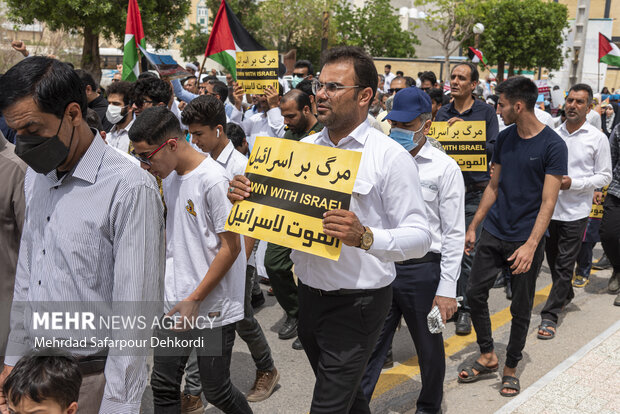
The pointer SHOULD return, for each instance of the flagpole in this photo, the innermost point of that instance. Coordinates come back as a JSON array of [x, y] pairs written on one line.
[[598, 77], [201, 67]]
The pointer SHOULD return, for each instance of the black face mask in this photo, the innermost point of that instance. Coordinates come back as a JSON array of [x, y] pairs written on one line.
[[42, 154]]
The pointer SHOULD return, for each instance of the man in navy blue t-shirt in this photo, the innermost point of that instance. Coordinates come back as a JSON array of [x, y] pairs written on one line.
[[529, 162]]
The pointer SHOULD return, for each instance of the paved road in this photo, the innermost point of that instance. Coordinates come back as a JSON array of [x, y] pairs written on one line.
[[590, 313]]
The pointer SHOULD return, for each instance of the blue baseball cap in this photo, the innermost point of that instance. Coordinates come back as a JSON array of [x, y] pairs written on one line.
[[409, 103]]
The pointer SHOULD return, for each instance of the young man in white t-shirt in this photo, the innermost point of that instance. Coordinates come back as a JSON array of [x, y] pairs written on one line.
[[205, 117], [204, 283]]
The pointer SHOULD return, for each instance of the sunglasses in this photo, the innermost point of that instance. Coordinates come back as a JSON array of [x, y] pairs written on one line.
[[147, 159], [394, 90]]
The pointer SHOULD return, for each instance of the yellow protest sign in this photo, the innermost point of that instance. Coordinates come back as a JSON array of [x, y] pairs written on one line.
[[464, 141], [293, 184], [257, 69], [597, 209]]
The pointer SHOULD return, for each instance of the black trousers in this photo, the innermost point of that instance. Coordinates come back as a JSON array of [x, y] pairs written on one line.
[[279, 268], [338, 334], [491, 257], [610, 230], [472, 201], [413, 292], [562, 247]]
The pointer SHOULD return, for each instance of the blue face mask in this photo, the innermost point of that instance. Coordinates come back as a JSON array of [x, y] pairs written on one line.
[[405, 137], [295, 81]]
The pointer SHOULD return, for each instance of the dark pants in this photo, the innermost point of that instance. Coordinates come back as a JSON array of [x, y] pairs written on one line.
[[413, 292], [338, 334], [279, 267], [584, 257], [214, 374], [472, 200], [250, 330], [610, 230], [491, 257], [562, 247]]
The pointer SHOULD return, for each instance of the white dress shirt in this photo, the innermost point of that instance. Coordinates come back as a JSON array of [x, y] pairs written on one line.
[[232, 160], [260, 125], [594, 118], [443, 190], [119, 137], [386, 198], [589, 167], [544, 117], [388, 80]]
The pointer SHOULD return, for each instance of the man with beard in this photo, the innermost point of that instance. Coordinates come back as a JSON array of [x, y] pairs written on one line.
[[119, 113], [343, 304]]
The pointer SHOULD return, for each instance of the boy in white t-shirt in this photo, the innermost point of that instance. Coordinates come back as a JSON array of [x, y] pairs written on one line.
[[204, 283]]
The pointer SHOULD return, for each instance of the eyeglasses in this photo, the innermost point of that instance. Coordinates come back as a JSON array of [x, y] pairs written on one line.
[[147, 160], [299, 75], [115, 80], [394, 90], [330, 87]]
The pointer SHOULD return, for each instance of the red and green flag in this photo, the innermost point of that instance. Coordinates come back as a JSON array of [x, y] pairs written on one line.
[[134, 37], [476, 56], [228, 37], [608, 52]]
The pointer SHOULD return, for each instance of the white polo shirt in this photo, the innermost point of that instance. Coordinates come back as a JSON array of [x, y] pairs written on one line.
[[589, 167], [443, 190], [386, 198]]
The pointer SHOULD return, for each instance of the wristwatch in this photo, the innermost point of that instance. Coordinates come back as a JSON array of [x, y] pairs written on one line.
[[366, 239]]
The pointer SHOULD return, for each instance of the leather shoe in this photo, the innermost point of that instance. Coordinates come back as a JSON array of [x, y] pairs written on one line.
[[614, 283], [389, 359], [617, 301], [297, 345], [257, 300], [288, 329], [602, 263], [463, 324]]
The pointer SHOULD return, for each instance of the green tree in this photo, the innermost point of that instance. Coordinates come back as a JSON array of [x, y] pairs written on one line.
[[245, 10], [374, 27], [193, 42], [523, 33], [94, 18], [451, 22], [291, 25]]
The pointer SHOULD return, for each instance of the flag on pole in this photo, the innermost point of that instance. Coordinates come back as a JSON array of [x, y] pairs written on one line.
[[134, 37], [608, 52], [228, 37], [476, 56]]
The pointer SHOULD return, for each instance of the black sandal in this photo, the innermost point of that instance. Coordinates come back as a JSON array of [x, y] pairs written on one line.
[[483, 372], [544, 326], [510, 383]]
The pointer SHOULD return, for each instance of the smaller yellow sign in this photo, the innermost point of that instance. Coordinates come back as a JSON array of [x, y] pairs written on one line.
[[257, 70], [464, 141], [597, 209]]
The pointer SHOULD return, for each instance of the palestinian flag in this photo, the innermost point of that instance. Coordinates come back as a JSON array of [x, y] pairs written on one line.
[[476, 56], [607, 51], [134, 37], [227, 38]]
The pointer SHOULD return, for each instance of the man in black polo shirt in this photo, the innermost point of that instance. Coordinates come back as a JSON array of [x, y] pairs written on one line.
[[463, 81]]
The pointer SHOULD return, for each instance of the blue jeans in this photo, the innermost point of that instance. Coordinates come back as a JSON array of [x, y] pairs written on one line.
[[413, 292], [214, 374]]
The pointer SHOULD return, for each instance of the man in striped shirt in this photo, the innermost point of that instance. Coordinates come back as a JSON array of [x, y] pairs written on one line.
[[93, 234]]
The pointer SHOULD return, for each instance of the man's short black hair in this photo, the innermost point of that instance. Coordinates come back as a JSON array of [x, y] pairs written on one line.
[[188, 78], [388, 66], [429, 76], [122, 88], [236, 134], [146, 75], [87, 79], [409, 81], [305, 64], [221, 89], [400, 73], [158, 90], [519, 88], [93, 120], [305, 86], [205, 110], [155, 125], [365, 70], [436, 95], [52, 84], [299, 97], [39, 376], [583, 87], [473, 70]]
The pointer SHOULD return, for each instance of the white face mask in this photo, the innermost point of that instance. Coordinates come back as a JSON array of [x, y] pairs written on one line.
[[113, 114]]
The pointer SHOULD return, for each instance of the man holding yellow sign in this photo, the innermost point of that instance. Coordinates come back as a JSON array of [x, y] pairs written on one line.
[[343, 303]]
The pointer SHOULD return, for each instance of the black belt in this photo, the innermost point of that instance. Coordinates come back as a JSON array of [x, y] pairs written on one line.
[[92, 364], [428, 257], [480, 186], [338, 292]]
